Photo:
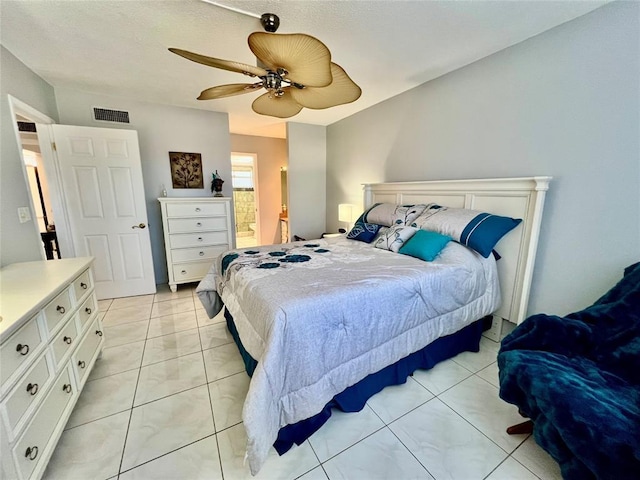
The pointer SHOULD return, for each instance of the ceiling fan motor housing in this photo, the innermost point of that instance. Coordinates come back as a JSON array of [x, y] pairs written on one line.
[[270, 22]]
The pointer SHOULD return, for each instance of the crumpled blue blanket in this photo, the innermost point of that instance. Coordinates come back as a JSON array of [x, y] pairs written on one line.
[[578, 378]]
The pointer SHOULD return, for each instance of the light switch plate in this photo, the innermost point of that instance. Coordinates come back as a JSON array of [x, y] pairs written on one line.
[[24, 214]]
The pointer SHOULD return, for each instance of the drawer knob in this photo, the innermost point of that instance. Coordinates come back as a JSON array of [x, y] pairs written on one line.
[[184, 272], [83, 285], [68, 340], [197, 209], [31, 453], [32, 388], [81, 364], [61, 309], [201, 254], [23, 349], [66, 388], [88, 310], [199, 239], [199, 224], [99, 333]]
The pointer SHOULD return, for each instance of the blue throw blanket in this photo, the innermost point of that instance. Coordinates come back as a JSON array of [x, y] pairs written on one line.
[[578, 379]]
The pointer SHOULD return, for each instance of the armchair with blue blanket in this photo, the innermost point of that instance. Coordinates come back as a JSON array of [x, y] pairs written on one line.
[[578, 379]]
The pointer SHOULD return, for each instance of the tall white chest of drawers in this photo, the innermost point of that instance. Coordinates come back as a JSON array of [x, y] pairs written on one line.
[[196, 231], [50, 338]]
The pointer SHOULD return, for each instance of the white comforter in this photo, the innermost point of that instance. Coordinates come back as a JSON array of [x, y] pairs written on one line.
[[320, 326]]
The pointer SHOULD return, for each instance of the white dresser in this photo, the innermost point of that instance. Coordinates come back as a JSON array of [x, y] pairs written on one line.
[[196, 231], [50, 337]]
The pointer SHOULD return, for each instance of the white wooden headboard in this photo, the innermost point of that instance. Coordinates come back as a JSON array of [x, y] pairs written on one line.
[[513, 197]]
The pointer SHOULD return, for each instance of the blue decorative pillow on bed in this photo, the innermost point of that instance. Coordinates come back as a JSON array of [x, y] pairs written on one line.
[[363, 232], [472, 228], [425, 245]]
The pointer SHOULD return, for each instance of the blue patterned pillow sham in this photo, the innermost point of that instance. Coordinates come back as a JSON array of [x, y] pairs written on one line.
[[477, 230], [363, 232]]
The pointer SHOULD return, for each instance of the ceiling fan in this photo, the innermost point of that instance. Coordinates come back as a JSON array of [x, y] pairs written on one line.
[[295, 69]]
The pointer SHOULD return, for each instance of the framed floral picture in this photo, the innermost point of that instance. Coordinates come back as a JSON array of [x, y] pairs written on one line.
[[186, 170]]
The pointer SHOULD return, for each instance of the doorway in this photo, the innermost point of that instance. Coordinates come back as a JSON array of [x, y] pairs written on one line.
[[245, 199], [97, 196], [36, 178]]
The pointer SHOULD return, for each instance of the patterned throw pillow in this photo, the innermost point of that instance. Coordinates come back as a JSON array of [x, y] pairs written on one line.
[[388, 214], [363, 232], [477, 230], [395, 237]]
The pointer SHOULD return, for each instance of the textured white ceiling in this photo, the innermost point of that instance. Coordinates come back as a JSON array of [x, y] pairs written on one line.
[[387, 47]]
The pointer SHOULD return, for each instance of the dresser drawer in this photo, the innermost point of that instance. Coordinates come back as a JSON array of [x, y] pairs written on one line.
[[57, 310], [18, 350], [86, 351], [184, 225], [28, 391], [195, 209], [195, 254], [88, 308], [64, 342], [182, 240], [82, 285], [191, 271], [29, 451]]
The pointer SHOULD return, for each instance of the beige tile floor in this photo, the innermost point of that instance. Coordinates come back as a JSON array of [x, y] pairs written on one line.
[[165, 402]]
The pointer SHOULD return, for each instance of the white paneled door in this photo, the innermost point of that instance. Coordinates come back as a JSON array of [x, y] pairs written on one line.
[[101, 180]]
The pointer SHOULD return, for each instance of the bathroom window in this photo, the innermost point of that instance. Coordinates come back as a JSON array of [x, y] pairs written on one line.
[[242, 171], [242, 177]]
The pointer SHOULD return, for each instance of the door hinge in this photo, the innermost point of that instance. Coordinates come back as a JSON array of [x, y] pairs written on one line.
[[53, 145]]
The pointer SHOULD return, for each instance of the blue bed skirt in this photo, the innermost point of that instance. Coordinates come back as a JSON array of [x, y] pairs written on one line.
[[353, 398]]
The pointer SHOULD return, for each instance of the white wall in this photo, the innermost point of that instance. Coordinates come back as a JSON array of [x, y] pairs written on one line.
[[565, 103], [272, 154], [19, 242], [161, 129], [306, 179]]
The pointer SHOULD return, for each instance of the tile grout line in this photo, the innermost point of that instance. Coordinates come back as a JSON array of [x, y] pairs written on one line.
[[409, 450], [213, 417], [135, 393]]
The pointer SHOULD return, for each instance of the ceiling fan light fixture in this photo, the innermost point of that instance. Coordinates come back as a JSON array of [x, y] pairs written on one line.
[[295, 69]]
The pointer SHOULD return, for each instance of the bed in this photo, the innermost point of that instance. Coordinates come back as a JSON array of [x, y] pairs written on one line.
[[329, 323]]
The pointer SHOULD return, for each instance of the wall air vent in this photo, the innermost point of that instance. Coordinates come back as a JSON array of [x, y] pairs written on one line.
[[108, 115], [27, 127]]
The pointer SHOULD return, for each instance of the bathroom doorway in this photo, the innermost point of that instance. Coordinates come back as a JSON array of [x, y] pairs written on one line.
[[245, 198]]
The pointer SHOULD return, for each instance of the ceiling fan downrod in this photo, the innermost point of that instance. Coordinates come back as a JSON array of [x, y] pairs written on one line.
[[270, 22]]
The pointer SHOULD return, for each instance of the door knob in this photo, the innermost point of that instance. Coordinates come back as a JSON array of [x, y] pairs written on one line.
[[140, 225]]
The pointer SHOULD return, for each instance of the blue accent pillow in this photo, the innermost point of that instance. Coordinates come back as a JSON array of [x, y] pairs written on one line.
[[363, 231], [425, 245], [485, 230]]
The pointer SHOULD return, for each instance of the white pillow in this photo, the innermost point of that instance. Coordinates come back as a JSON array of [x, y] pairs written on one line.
[[394, 237]]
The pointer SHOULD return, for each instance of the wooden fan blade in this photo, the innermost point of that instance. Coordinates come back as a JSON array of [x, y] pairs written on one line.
[[306, 59], [222, 64], [229, 90], [342, 90], [281, 107]]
